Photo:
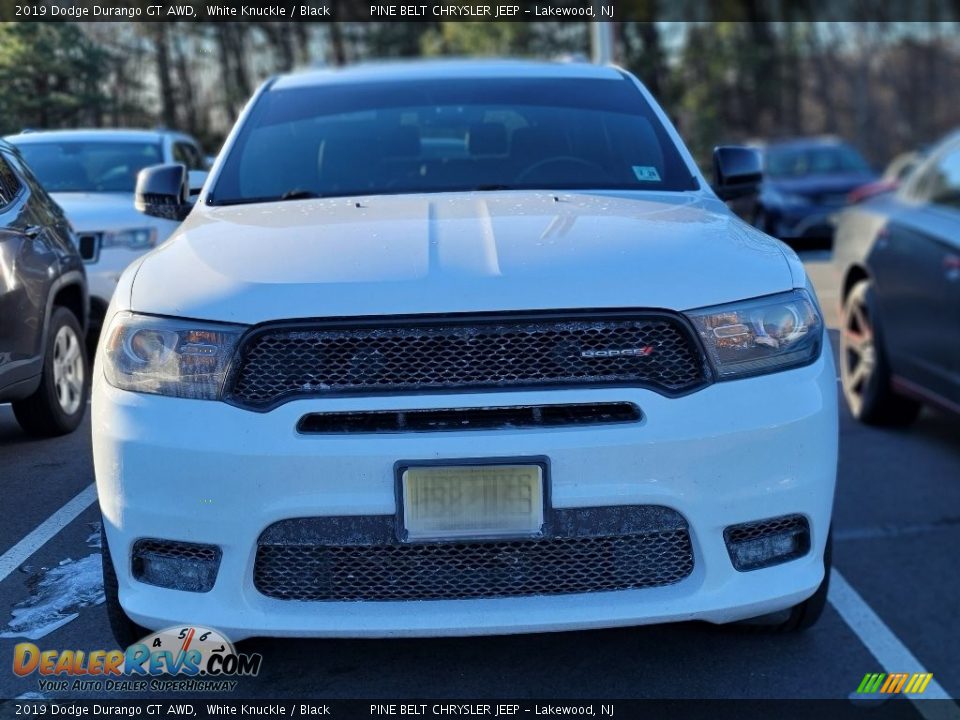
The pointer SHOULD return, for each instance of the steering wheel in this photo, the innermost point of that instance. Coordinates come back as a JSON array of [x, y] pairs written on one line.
[[569, 160]]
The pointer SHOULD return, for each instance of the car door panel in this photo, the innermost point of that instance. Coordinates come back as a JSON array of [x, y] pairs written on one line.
[[25, 278], [918, 302]]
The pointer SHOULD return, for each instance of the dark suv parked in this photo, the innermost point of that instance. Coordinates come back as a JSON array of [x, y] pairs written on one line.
[[44, 369]]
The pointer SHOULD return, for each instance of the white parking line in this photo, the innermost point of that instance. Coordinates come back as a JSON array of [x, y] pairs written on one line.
[[886, 647], [38, 537]]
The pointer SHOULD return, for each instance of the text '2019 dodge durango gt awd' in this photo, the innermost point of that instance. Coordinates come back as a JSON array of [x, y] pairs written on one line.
[[462, 348]]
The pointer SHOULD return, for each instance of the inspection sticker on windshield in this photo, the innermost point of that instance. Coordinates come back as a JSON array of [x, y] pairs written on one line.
[[646, 173]]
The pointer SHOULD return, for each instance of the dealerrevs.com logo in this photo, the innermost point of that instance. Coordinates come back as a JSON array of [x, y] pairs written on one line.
[[188, 658]]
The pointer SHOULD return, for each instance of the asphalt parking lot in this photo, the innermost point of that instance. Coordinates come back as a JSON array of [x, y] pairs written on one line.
[[893, 604]]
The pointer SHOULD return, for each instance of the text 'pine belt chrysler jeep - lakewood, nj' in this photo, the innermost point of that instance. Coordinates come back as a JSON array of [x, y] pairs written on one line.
[[462, 348]]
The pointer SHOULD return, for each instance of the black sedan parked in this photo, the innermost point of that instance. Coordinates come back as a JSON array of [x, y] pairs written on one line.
[[900, 257], [806, 181], [44, 369]]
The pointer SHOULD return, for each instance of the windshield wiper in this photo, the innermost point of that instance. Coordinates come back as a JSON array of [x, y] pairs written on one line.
[[301, 194]]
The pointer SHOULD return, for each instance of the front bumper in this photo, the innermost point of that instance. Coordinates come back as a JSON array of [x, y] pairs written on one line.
[[207, 472]]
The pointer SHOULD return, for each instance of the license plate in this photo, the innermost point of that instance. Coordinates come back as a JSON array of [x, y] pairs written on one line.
[[472, 501]]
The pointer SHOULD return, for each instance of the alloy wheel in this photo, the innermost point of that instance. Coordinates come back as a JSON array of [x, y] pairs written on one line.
[[68, 370], [858, 352]]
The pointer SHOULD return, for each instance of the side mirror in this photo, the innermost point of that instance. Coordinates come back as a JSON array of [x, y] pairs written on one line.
[[737, 172], [163, 192]]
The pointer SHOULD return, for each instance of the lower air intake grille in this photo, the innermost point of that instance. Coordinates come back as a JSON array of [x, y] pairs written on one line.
[[763, 543], [176, 565], [461, 419], [585, 550]]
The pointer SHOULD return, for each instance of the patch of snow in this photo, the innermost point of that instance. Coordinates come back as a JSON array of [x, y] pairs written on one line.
[[56, 597]]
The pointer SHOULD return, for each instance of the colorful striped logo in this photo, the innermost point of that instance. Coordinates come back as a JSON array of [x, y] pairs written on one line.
[[894, 683]]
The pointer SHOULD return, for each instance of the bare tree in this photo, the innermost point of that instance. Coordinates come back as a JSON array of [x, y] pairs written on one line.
[[185, 84], [158, 33]]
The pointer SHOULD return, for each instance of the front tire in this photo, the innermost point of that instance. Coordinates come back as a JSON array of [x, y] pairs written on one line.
[[125, 631], [864, 369], [57, 407], [803, 615]]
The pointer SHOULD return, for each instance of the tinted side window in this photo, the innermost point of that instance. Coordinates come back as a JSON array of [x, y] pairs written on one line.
[[10, 185]]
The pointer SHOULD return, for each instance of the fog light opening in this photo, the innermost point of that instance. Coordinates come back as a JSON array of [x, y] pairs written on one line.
[[764, 543], [176, 565]]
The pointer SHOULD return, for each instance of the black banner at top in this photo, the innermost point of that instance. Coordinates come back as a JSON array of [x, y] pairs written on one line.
[[308, 10], [479, 10]]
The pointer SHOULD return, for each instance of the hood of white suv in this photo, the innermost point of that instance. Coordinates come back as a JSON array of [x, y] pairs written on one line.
[[458, 252], [104, 212]]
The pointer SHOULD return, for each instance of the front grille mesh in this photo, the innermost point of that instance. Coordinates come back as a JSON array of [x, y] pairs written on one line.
[[281, 363], [319, 559]]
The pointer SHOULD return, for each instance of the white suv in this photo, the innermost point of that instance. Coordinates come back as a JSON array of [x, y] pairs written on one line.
[[462, 348]]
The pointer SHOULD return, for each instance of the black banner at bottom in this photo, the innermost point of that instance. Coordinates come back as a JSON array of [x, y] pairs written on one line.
[[872, 709]]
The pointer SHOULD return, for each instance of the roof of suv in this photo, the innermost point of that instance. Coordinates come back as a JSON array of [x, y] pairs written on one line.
[[91, 135], [446, 69]]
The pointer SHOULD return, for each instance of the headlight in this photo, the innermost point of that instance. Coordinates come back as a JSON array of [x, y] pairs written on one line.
[[168, 357], [134, 239], [760, 335]]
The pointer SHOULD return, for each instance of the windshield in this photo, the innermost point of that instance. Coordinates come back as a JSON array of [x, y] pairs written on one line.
[[449, 135], [71, 166], [814, 160]]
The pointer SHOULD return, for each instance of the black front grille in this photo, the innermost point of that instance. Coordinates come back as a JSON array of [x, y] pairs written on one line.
[[584, 550], [382, 357]]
